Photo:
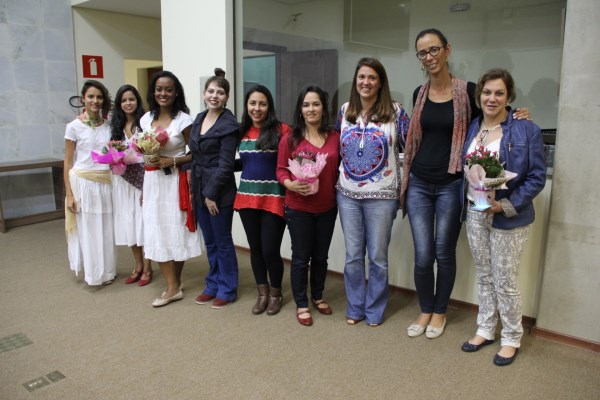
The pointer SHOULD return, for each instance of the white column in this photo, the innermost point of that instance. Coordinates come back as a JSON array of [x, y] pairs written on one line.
[[197, 36]]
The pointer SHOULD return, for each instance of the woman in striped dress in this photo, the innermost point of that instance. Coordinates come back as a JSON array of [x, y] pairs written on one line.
[[260, 197]]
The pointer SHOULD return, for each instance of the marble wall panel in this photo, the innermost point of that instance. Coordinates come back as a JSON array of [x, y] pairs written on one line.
[[59, 109], [26, 41], [6, 75], [57, 14], [30, 76], [32, 109], [24, 12], [34, 141], [58, 44], [9, 151], [61, 76], [57, 139], [5, 41], [8, 109]]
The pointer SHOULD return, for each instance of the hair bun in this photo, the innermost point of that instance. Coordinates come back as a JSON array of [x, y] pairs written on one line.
[[219, 72]]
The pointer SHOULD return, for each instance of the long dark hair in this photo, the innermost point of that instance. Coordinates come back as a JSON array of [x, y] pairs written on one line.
[[119, 118], [299, 124], [93, 83], [179, 103], [270, 128], [383, 110]]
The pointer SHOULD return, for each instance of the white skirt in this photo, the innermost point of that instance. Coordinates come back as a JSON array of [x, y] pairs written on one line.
[[127, 212], [166, 237], [92, 245]]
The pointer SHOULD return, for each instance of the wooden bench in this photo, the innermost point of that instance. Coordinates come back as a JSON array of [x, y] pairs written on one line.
[[59, 192]]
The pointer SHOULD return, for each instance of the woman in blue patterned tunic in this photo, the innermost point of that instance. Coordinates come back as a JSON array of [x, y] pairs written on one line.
[[368, 187]]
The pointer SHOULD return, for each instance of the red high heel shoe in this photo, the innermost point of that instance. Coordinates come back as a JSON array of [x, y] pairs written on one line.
[[146, 279]]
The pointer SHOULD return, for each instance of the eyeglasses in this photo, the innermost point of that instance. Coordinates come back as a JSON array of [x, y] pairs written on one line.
[[433, 50]]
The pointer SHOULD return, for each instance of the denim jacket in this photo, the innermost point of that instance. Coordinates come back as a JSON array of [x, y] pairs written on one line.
[[522, 152]]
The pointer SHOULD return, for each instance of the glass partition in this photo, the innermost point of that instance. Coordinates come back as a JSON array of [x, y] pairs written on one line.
[[288, 44]]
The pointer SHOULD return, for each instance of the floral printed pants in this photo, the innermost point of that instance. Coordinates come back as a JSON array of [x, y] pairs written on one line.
[[497, 254]]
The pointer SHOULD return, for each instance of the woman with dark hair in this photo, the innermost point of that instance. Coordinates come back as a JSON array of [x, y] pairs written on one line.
[[443, 109], [497, 236], [127, 193], [213, 141], [168, 237], [88, 214], [368, 187], [260, 196], [310, 217]]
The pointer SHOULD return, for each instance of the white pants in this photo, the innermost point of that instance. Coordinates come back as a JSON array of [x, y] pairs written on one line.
[[497, 253]]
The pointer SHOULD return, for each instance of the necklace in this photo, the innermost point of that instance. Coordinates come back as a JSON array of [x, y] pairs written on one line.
[[485, 132]]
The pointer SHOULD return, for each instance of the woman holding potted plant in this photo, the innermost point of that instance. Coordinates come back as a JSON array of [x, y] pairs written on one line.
[[310, 209], [497, 235]]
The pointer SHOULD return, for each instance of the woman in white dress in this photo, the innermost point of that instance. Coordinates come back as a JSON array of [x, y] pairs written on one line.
[[127, 188], [88, 213], [169, 236]]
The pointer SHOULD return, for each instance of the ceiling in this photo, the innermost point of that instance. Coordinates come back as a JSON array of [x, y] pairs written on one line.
[[144, 8]]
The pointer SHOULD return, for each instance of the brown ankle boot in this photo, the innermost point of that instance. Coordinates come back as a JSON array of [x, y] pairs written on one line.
[[274, 301], [261, 301]]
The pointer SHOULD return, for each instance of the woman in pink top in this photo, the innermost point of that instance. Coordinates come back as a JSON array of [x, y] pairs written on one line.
[[310, 217]]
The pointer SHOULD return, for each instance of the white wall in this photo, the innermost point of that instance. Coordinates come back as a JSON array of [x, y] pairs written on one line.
[[115, 37]]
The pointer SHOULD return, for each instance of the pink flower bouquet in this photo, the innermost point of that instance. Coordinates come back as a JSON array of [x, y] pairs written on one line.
[[117, 154], [485, 174], [306, 167]]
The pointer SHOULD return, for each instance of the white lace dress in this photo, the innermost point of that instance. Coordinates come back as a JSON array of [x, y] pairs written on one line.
[[165, 235]]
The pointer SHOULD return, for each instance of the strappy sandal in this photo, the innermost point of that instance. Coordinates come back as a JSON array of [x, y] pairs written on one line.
[[307, 321], [135, 276], [322, 306], [146, 278]]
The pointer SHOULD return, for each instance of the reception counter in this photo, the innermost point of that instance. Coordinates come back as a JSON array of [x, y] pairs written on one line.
[[465, 289]]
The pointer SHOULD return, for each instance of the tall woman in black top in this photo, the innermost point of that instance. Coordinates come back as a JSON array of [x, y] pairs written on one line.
[[443, 109]]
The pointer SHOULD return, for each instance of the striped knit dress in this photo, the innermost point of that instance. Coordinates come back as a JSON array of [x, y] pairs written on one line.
[[259, 188]]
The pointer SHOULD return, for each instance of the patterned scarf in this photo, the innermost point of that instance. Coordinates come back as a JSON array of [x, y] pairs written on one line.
[[462, 118]]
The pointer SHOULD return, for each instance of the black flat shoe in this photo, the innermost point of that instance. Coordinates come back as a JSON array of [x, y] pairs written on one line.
[[470, 347], [503, 361]]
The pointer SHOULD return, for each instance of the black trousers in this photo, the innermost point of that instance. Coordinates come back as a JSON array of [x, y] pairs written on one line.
[[264, 231], [311, 237]]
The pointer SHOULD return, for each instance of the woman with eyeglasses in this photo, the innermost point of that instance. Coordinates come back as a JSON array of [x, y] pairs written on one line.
[[169, 239], [371, 124], [432, 174]]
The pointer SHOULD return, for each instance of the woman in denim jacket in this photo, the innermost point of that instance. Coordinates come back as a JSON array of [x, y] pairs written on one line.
[[497, 235]]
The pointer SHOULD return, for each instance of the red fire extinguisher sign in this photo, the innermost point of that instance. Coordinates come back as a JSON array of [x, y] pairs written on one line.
[[92, 67]]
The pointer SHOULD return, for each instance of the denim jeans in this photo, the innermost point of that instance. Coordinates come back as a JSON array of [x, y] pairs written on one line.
[[434, 214], [367, 226], [222, 277], [264, 231], [311, 236]]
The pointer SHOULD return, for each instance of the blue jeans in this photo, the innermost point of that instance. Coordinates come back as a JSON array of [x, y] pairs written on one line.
[[434, 215], [367, 225], [311, 236], [222, 277]]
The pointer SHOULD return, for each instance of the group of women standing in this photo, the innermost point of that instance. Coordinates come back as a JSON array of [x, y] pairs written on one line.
[[362, 178]]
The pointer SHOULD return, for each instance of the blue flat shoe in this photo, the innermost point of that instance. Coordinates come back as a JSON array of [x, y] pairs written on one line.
[[470, 347], [504, 361]]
